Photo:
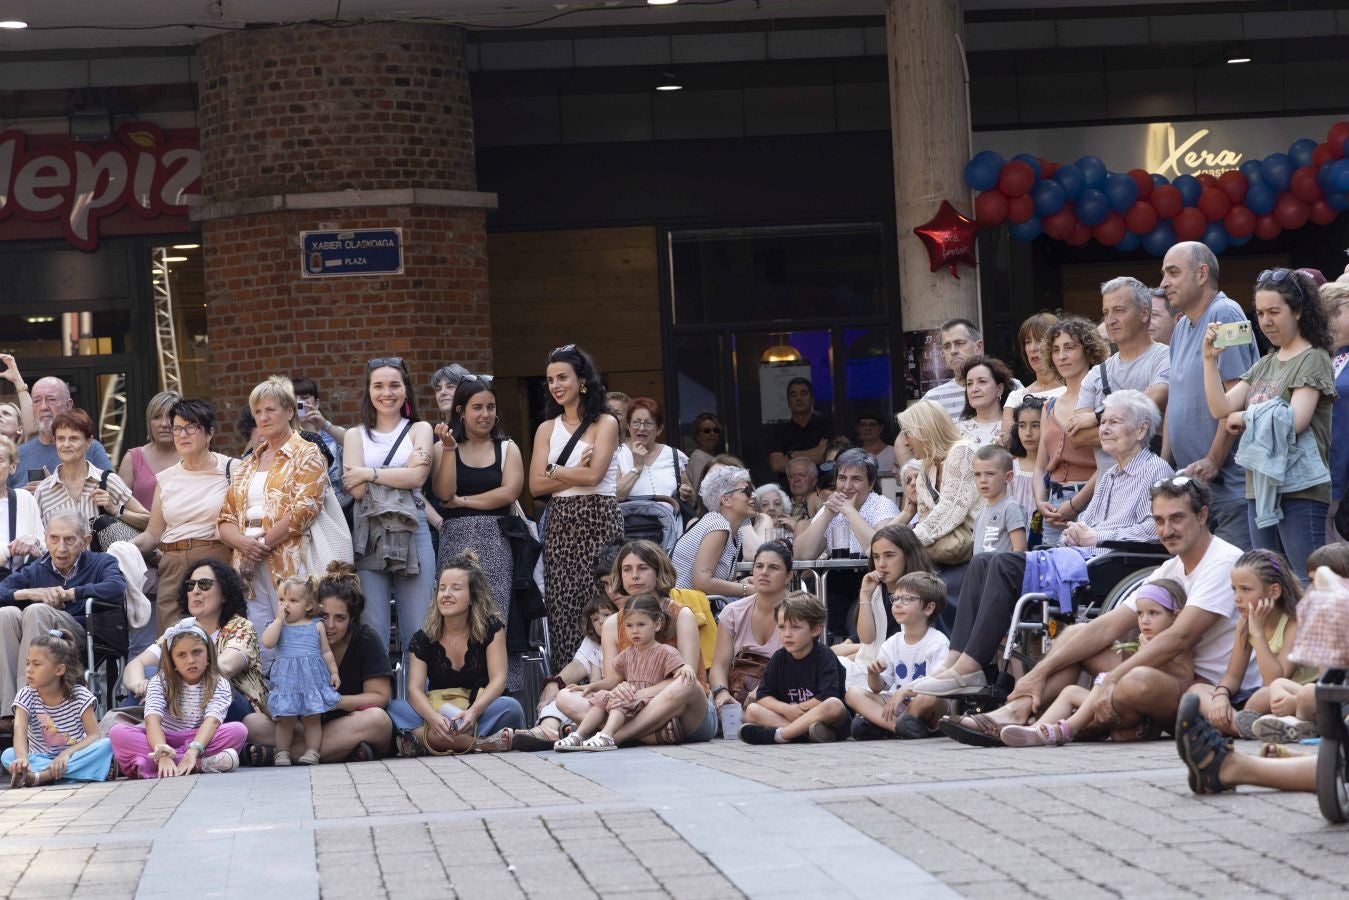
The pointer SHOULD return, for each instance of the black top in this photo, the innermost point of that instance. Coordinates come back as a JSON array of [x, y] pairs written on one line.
[[471, 481], [366, 657], [441, 673], [788, 437], [791, 680]]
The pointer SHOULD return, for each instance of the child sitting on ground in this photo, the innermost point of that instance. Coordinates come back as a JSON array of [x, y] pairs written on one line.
[[304, 674], [587, 665], [886, 708], [1001, 522], [801, 694], [1071, 715], [642, 670], [56, 736]]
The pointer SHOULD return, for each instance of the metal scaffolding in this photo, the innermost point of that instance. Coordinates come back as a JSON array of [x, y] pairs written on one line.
[[170, 375]]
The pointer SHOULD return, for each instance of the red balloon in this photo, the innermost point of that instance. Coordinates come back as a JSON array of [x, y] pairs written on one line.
[[1266, 229], [1214, 203], [1168, 202], [949, 238], [1234, 185], [1322, 154], [1323, 213], [1290, 212], [1144, 182], [1111, 231], [1019, 209], [1339, 133], [1240, 222], [1081, 234], [1016, 178], [990, 208], [1047, 167], [1190, 224], [1206, 180], [1141, 218], [1060, 225], [1303, 184]]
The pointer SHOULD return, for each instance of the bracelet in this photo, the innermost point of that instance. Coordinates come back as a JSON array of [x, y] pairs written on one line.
[[744, 589], [1223, 687], [161, 750], [20, 389], [556, 679], [719, 688], [374, 475], [1070, 503], [196, 745]]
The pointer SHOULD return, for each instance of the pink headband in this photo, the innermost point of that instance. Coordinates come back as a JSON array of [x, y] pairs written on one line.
[[1157, 594]]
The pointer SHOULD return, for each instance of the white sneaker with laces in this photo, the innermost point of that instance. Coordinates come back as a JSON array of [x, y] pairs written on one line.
[[225, 761]]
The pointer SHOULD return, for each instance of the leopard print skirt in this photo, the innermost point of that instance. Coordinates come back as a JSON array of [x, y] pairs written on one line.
[[578, 528]]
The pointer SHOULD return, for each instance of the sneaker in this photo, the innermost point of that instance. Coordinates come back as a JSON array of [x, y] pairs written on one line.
[[862, 730], [820, 733], [951, 684], [1245, 721], [912, 728], [225, 761], [757, 734], [1284, 729]]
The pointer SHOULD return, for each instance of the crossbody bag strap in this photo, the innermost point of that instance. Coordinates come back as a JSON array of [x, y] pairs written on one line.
[[675, 453], [571, 445], [394, 449], [13, 516]]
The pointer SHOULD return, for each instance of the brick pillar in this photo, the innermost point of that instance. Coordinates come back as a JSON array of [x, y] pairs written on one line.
[[310, 128]]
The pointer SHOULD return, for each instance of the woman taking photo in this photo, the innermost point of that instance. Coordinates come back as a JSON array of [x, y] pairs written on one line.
[[1297, 373], [478, 478], [273, 500], [1073, 347], [706, 554], [1046, 384], [988, 382], [386, 460], [187, 501], [574, 465], [77, 485]]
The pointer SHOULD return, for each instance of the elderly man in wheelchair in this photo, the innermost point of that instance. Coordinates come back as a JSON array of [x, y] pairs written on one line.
[[70, 587]]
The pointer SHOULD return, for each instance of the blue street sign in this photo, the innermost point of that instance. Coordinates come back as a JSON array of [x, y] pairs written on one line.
[[362, 251]]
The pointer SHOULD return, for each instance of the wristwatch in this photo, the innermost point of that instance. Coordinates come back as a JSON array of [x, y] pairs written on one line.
[[550, 470]]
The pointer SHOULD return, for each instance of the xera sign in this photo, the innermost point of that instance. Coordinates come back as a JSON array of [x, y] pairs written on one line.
[[78, 184]]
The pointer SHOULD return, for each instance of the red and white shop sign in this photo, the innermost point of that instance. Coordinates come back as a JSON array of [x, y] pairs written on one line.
[[78, 184]]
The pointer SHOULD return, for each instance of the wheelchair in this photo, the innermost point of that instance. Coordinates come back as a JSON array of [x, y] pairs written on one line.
[[107, 635]]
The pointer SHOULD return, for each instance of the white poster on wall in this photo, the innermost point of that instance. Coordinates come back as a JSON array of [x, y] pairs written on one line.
[[773, 379]]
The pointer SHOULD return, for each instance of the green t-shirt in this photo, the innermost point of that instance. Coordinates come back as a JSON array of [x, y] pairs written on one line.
[[1272, 378]]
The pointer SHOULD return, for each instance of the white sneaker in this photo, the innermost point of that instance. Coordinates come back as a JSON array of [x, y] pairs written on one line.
[[1283, 729], [225, 761]]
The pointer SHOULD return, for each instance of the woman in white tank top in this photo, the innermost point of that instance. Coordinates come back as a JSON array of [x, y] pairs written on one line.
[[583, 515]]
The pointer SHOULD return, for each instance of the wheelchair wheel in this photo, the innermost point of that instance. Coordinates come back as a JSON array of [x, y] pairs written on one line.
[[1332, 793], [1124, 587]]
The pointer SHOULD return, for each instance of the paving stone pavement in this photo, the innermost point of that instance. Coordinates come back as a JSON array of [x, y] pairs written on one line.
[[912, 819]]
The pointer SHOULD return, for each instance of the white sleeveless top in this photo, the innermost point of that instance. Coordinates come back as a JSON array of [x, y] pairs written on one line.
[[608, 484], [375, 446]]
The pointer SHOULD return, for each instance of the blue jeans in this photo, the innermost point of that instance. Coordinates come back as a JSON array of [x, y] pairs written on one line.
[[1228, 520], [412, 593], [503, 712], [1301, 531]]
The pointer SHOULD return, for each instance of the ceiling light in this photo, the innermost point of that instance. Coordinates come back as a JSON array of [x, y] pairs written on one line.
[[13, 24], [1237, 53], [780, 353], [668, 81], [186, 246], [175, 259], [661, 2], [1237, 60], [39, 320]]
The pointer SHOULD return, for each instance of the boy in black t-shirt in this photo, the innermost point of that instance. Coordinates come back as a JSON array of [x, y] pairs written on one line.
[[801, 695]]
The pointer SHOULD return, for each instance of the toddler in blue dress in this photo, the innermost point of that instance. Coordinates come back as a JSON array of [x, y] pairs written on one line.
[[304, 671]]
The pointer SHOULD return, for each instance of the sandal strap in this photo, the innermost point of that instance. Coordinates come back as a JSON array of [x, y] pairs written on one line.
[[1203, 741]]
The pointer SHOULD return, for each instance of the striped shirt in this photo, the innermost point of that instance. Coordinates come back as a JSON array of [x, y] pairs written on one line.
[[951, 397], [1121, 509], [685, 553], [51, 729], [52, 497], [157, 704]]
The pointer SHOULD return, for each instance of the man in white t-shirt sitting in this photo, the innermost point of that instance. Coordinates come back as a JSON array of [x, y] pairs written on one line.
[[1137, 687]]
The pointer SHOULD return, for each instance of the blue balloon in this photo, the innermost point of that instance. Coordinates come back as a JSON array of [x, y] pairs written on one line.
[[1093, 207], [1122, 191], [1130, 241], [1160, 239], [1260, 199], [1251, 169], [1216, 237], [1323, 176], [1338, 202], [1072, 180], [1031, 160], [1239, 241], [1301, 152], [1159, 180], [981, 173], [1028, 230], [1189, 188], [1048, 196], [1276, 171], [1339, 175], [1093, 170]]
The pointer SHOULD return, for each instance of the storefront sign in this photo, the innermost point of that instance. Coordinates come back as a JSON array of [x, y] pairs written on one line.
[[78, 184], [363, 251]]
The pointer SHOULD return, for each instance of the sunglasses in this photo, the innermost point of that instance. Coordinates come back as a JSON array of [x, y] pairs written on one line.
[[377, 362], [1278, 276], [565, 348], [204, 584], [484, 379], [711, 430], [746, 490]]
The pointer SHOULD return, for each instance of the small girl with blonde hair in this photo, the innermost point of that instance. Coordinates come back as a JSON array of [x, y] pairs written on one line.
[[304, 672]]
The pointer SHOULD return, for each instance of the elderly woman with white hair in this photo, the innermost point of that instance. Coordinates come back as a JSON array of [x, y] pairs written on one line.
[[705, 556], [1120, 510], [771, 520]]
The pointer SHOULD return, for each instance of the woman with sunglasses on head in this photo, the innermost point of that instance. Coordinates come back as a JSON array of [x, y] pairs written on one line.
[[1281, 408], [386, 460], [574, 464], [479, 475]]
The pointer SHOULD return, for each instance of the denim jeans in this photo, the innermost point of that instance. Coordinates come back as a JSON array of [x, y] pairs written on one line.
[[1302, 530], [503, 712], [412, 593], [1229, 521]]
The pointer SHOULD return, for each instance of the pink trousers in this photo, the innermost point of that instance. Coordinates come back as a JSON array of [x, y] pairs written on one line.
[[132, 750]]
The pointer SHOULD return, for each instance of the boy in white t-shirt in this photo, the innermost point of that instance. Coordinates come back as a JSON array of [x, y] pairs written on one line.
[[886, 708]]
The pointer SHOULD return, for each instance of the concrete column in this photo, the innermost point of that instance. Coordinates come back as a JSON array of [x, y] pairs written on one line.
[[929, 132], [310, 128]]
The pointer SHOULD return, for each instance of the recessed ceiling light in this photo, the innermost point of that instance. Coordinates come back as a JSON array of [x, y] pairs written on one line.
[[13, 24]]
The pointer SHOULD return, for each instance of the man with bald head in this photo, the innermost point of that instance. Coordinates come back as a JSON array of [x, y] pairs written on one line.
[[1192, 437], [51, 397]]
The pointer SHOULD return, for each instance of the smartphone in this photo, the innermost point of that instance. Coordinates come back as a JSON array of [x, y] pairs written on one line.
[[299, 407], [1233, 334], [37, 474]]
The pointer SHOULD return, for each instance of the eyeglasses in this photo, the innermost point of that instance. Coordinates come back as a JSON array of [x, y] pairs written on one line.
[[746, 490], [185, 429], [641, 423], [395, 361], [906, 599], [1278, 276], [710, 430], [204, 584]]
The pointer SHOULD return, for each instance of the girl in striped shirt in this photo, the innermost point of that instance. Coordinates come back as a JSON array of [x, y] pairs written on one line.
[[185, 705], [56, 736]]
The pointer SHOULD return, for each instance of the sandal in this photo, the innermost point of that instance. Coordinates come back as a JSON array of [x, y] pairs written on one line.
[[282, 758], [533, 740], [1280, 751], [309, 758], [257, 755], [1201, 747], [977, 730], [672, 732], [496, 743], [569, 744], [600, 741], [1044, 734], [363, 753], [407, 744]]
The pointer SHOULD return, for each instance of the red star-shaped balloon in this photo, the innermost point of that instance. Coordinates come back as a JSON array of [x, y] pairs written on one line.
[[949, 238]]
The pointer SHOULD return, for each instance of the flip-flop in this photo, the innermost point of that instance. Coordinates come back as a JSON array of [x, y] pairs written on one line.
[[257, 755], [363, 753], [982, 732], [1201, 747]]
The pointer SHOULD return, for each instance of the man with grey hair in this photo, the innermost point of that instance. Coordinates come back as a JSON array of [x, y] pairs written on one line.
[[1140, 364], [51, 397], [1191, 437], [54, 589], [961, 341]]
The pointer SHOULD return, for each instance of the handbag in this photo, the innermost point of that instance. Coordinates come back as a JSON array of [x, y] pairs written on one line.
[[957, 545], [747, 670], [686, 510], [107, 528], [328, 538]]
